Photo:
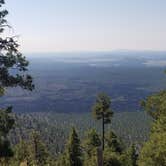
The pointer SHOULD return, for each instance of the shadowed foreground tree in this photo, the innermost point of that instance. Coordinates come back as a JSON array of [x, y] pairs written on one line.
[[153, 152], [101, 111], [155, 105], [6, 124], [13, 67]]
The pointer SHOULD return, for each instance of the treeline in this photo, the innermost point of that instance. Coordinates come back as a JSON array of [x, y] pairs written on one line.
[[54, 128], [77, 151]]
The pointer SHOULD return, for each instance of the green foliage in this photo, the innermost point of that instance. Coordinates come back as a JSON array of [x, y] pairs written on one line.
[[5, 149], [92, 161], [101, 111], [6, 124], [159, 126], [12, 73], [73, 149], [33, 152], [38, 151], [62, 161], [153, 152], [6, 121], [91, 142], [2, 91], [11, 59], [133, 155], [129, 126], [129, 157], [125, 158], [111, 159], [115, 153], [155, 105], [22, 153], [113, 143]]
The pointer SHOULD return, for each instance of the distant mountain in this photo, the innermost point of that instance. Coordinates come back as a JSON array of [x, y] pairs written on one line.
[[69, 82]]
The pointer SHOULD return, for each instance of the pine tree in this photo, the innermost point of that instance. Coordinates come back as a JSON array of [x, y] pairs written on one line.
[[154, 150], [111, 159], [38, 151], [62, 160], [113, 143], [6, 124], [155, 105], [129, 158], [73, 150], [21, 153], [10, 60], [134, 155], [91, 142], [101, 111]]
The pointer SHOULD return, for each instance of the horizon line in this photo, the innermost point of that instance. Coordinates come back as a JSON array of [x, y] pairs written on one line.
[[94, 51]]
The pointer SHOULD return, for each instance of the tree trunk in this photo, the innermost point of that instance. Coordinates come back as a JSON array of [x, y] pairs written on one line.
[[99, 157]]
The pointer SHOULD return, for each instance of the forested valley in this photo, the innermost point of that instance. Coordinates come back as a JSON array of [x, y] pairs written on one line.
[[100, 137]]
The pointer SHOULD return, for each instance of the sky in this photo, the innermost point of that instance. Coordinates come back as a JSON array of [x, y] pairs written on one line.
[[88, 25]]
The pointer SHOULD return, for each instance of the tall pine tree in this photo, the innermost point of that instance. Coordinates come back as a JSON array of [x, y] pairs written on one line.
[[102, 111]]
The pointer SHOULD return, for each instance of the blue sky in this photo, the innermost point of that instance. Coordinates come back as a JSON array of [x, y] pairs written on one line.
[[88, 25]]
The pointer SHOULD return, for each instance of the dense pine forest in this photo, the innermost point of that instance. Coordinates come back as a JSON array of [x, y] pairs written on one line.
[[100, 137], [54, 128]]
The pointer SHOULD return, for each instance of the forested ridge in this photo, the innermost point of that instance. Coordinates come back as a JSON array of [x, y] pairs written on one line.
[[100, 137]]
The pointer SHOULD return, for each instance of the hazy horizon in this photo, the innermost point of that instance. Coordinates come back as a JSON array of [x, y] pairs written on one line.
[[76, 25], [98, 52]]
